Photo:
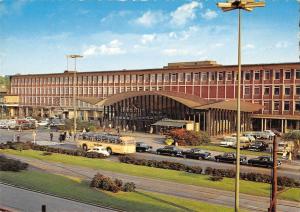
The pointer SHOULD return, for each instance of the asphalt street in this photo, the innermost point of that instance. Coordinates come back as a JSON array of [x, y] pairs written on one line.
[[18, 199], [156, 141]]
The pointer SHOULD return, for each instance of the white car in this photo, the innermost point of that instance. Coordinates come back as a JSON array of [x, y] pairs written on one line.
[[100, 149], [270, 133], [228, 142], [43, 123]]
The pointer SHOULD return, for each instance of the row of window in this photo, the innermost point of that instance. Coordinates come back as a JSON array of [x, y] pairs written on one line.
[[287, 90], [286, 106], [175, 77]]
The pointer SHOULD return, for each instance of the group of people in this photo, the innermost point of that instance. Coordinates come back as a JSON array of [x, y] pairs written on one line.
[[62, 136]]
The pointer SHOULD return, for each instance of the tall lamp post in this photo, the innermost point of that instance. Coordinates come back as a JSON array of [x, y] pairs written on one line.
[[247, 5], [74, 56]]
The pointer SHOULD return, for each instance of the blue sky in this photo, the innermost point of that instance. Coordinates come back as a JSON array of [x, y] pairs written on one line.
[[35, 35]]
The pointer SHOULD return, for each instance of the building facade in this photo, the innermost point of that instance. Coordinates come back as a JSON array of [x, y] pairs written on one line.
[[274, 86]]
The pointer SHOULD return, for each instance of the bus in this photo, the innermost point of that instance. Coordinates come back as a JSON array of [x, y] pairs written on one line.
[[112, 143]]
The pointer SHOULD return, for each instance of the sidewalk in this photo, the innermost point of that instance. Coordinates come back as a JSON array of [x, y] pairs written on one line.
[[249, 202]]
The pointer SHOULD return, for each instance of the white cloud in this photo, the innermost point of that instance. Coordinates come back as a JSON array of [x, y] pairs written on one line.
[[185, 13], [150, 18], [209, 14], [282, 44], [249, 46], [112, 48], [148, 38], [174, 52], [174, 34]]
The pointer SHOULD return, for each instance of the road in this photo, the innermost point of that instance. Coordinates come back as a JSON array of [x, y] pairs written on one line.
[[156, 141], [214, 196], [18, 199]]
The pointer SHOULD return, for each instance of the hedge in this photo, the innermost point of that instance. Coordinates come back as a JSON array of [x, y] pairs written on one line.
[[229, 173], [7, 164], [108, 184]]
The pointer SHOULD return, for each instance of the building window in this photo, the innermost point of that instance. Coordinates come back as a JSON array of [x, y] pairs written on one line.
[[140, 78], [133, 78], [180, 77], [276, 90], [204, 76], [287, 75], [121, 78], [276, 105], [266, 105], [298, 74], [277, 75], [247, 90], [160, 88], [166, 77], [110, 79], [229, 76], [159, 77], [196, 77], [212, 76], [257, 90], [152, 78], [287, 91], [127, 79], [286, 105], [173, 79], [267, 74], [140, 88], [297, 90], [146, 77], [105, 79], [116, 79], [247, 75], [297, 106], [188, 77], [267, 90], [220, 76]]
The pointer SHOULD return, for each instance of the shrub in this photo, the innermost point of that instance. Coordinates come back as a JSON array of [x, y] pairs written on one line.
[[11, 164], [129, 187], [189, 138], [194, 169], [108, 184], [47, 153], [215, 178]]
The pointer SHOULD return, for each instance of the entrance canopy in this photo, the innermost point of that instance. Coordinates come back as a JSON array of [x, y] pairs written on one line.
[[190, 101], [171, 123]]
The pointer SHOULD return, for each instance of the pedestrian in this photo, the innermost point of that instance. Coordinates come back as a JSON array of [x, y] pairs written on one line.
[[127, 127], [118, 130], [18, 138], [60, 137], [51, 136], [134, 128]]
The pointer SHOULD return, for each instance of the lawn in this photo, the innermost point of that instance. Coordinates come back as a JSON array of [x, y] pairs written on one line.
[[246, 187], [70, 187], [227, 149]]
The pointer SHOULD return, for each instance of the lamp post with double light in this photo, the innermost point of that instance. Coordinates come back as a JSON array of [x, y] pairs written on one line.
[[74, 56], [247, 5]]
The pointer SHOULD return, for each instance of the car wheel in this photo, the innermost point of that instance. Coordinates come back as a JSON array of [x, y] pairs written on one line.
[[184, 156], [84, 147], [218, 160], [234, 162], [158, 153], [140, 150], [109, 150], [173, 155], [200, 158]]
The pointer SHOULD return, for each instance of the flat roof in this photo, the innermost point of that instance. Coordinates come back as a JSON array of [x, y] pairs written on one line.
[[171, 68]]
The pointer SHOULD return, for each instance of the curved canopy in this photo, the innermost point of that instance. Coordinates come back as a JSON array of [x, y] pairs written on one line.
[[185, 99]]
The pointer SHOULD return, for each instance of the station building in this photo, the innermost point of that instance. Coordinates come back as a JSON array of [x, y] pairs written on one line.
[[203, 92]]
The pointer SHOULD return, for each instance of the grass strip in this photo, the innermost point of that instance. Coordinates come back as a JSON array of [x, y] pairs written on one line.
[[246, 187], [65, 186]]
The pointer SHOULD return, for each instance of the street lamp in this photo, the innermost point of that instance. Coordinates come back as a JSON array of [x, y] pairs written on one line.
[[247, 5], [74, 56]]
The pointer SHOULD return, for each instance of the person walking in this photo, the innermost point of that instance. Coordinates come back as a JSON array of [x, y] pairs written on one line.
[[51, 136]]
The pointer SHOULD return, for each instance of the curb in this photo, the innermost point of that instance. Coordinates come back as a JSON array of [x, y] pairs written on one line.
[[62, 197]]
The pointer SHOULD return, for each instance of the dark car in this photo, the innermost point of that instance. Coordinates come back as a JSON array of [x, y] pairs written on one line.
[[196, 154], [265, 161], [230, 158], [258, 146], [142, 147], [169, 150]]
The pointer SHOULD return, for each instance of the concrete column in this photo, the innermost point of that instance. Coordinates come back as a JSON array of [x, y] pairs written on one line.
[[282, 125], [26, 111], [285, 125], [262, 124], [42, 112], [265, 124], [85, 115], [298, 125]]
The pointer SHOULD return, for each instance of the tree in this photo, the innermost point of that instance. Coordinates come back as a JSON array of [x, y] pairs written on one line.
[[293, 136]]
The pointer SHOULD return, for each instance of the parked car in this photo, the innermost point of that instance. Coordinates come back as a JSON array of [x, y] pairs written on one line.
[[229, 158], [196, 153], [169, 150], [269, 133], [142, 147], [258, 146], [228, 142], [249, 136], [43, 123], [99, 149], [265, 161]]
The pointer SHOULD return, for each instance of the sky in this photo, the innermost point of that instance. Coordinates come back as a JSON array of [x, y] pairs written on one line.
[[36, 35]]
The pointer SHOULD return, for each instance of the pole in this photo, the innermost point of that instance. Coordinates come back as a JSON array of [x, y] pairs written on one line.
[[237, 177], [74, 102], [273, 202]]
